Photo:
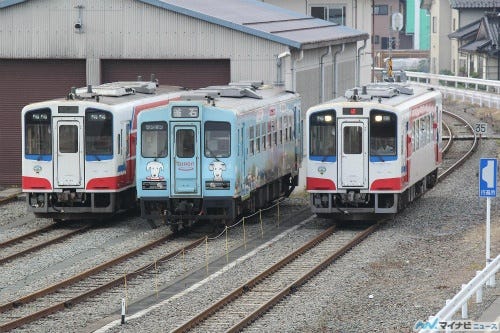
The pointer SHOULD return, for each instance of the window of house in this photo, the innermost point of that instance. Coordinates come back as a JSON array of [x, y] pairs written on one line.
[[381, 10], [332, 13]]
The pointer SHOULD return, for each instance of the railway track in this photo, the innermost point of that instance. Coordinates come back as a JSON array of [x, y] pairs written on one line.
[[16, 320], [454, 154], [36, 240], [9, 198], [87, 284], [249, 301]]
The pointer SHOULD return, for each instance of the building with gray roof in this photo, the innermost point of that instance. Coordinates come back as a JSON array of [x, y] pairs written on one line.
[[48, 46]]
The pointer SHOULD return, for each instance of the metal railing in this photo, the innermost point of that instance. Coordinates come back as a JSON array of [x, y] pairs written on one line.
[[461, 299], [476, 91]]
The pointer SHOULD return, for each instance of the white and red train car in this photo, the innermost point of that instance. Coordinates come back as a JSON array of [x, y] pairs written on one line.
[[78, 152], [374, 150]]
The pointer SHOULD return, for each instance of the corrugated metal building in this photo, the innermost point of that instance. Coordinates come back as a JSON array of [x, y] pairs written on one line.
[[48, 46]]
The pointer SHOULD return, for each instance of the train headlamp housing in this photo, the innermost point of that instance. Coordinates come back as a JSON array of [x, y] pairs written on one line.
[[154, 185], [217, 185]]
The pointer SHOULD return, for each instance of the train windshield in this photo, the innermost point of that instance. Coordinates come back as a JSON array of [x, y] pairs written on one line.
[[383, 133], [154, 139], [217, 139], [38, 138], [184, 139], [98, 133], [322, 129]]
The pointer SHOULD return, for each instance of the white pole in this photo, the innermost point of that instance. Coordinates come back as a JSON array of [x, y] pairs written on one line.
[[488, 231], [123, 311]]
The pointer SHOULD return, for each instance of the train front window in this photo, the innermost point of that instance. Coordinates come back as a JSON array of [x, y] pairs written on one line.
[[38, 138], [68, 139], [154, 139], [217, 139], [184, 142], [322, 138], [353, 139], [383, 133], [98, 132]]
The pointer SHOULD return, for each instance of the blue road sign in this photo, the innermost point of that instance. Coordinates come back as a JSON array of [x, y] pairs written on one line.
[[488, 177]]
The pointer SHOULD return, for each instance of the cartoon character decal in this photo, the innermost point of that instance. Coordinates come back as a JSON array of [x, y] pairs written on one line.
[[217, 167], [154, 168]]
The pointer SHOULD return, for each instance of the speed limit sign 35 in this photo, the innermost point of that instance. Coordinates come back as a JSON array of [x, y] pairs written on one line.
[[480, 128]]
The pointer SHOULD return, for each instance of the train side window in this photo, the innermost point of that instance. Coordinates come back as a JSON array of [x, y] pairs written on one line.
[[275, 132], [98, 132], [257, 138], [383, 133], [251, 146], [322, 136], [269, 134], [38, 138], [264, 135], [280, 129], [416, 130], [218, 139], [154, 139], [287, 125]]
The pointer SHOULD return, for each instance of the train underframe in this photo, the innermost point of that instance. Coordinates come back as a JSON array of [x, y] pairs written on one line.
[[184, 212], [73, 205], [354, 205]]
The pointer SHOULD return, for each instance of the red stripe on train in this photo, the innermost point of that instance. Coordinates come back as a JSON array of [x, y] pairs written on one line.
[[34, 183], [313, 183], [108, 183], [387, 184]]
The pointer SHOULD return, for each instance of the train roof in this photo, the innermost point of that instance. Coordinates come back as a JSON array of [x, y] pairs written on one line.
[[392, 94], [115, 93], [237, 96], [240, 96]]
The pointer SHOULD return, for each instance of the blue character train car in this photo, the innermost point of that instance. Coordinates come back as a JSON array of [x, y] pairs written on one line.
[[218, 152]]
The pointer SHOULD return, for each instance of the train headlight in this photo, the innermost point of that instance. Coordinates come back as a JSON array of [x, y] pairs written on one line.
[[154, 185], [217, 185]]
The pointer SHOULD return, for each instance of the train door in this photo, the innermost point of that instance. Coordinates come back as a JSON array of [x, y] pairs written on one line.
[[185, 159], [68, 151], [353, 148]]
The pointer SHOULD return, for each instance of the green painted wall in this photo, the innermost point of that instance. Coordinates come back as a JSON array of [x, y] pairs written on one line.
[[425, 25]]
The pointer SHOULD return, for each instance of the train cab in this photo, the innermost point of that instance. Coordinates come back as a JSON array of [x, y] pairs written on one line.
[[361, 149], [79, 151], [217, 152]]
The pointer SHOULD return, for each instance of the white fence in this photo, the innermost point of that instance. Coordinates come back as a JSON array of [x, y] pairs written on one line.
[[475, 91], [460, 301]]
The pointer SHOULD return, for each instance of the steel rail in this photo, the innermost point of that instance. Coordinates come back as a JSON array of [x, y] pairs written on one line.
[[277, 297], [9, 198], [25, 236], [36, 247], [89, 293], [473, 148]]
